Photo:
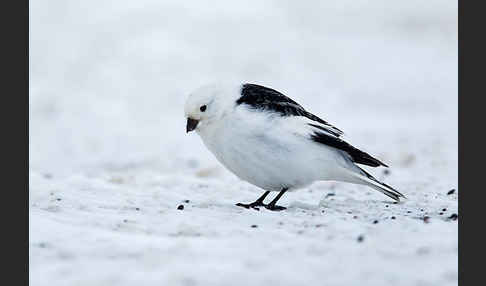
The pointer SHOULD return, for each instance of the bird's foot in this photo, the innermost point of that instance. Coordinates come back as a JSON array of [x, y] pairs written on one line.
[[275, 207], [253, 205]]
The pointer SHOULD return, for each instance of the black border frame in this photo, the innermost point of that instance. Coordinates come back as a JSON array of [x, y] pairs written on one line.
[[14, 23]]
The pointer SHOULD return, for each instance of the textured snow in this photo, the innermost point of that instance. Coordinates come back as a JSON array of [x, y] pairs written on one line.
[[110, 161]]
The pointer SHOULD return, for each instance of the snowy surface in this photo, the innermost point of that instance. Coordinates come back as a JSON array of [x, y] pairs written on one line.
[[110, 161]]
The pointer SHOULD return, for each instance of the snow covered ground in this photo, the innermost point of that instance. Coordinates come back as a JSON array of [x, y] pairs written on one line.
[[110, 161]]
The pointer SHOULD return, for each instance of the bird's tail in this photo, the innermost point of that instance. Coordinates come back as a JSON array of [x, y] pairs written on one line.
[[367, 179]]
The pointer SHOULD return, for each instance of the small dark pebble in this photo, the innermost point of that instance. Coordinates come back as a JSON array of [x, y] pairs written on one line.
[[322, 211], [360, 238], [355, 216], [125, 220], [318, 225], [426, 219], [393, 217], [441, 213], [395, 203], [453, 217], [58, 199], [137, 209], [330, 195], [187, 201], [451, 191], [423, 250], [421, 210], [254, 226], [409, 212], [386, 206], [375, 221], [444, 210], [180, 207], [386, 172]]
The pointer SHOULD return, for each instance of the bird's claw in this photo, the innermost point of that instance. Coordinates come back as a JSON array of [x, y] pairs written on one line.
[[253, 205], [275, 208], [256, 205]]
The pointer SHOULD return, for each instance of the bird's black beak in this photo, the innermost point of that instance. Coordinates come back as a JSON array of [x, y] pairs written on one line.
[[191, 124]]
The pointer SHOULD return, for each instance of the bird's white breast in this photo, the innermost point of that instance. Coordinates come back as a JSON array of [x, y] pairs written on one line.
[[269, 151]]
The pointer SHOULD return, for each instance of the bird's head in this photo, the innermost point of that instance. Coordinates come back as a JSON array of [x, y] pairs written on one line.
[[207, 105]]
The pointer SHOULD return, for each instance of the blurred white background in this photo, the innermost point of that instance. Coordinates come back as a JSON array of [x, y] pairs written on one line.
[[108, 80]]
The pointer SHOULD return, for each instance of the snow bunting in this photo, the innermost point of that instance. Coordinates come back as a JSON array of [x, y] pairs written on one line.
[[270, 141]]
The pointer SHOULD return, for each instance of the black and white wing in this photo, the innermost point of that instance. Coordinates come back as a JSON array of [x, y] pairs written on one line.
[[270, 100], [264, 98]]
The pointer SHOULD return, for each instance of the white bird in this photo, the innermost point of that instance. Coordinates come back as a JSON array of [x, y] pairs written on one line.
[[270, 141]]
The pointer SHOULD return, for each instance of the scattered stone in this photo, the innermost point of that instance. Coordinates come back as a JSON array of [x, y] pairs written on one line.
[[444, 209], [360, 238], [453, 217], [426, 219], [180, 207], [116, 180], [254, 226], [393, 217], [58, 199], [386, 206], [137, 209], [451, 192], [386, 172], [441, 213], [408, 160], [409, 212], [319, 225], [186, 201], [208, 172], [355, 217], [125, 220], [42, 244], [375, 221], [423, 250], [330, 195]]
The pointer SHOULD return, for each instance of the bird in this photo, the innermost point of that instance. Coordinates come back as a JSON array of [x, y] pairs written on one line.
[[269, 140]]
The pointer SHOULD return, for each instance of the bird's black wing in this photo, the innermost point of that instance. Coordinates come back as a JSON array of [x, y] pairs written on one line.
[[264, 98], [357, 156]]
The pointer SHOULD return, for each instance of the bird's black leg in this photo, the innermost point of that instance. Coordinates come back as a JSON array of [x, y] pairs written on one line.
[[257, 203], [271, 206]]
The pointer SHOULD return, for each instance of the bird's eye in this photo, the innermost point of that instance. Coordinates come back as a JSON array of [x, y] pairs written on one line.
[[203, 108]]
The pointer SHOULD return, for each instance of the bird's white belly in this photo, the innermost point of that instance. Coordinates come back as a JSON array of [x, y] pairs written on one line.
[[269, 161]]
